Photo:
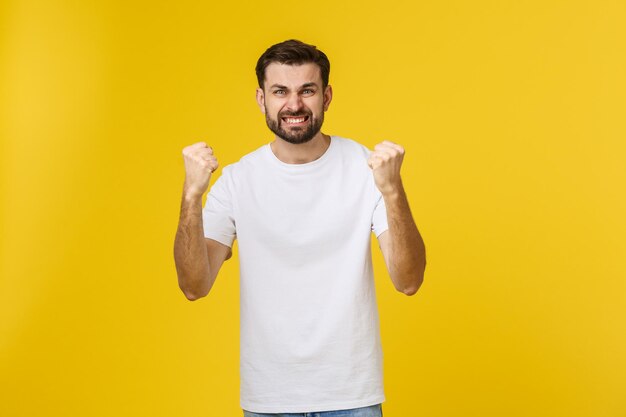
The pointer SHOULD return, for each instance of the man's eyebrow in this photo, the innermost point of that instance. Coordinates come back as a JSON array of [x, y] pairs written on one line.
[[284, 87]]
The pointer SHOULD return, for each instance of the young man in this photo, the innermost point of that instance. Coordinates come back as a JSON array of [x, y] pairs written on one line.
[[303, 208]]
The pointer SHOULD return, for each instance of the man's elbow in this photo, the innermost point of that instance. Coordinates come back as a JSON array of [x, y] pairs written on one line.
[[411, 290], [414, 287], [193, 294]]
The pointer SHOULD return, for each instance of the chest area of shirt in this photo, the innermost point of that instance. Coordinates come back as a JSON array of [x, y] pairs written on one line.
[[299, 211]]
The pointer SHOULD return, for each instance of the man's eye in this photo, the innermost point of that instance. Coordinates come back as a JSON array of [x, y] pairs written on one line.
[[307, 91], [280, 92]]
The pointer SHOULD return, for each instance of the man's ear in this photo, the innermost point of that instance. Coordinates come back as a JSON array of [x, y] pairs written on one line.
[[328, 96], [260, 99]]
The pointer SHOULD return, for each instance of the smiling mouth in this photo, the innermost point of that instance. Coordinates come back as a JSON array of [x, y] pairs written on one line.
[[295, 120]]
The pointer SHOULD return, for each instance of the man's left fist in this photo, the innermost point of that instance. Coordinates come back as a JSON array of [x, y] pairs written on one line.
[[385, 162]]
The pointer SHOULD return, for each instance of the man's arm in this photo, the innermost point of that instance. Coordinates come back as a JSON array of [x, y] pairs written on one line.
[[402, 245], [198, 259]]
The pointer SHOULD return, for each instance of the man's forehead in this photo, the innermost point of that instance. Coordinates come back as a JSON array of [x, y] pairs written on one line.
[[292, 75]]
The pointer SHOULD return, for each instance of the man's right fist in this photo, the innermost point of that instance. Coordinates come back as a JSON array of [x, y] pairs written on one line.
[[199, 164]]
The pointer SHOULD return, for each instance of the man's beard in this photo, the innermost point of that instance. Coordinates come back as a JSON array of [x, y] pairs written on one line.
[[295, 135]]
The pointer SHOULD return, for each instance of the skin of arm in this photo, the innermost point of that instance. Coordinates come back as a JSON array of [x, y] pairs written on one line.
[[197, 258], [402, 245]]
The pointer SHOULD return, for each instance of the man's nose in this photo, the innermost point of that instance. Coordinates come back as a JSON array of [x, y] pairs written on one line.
[[294, 102]]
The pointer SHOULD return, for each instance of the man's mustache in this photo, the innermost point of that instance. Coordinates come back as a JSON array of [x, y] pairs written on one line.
[[296, 114]]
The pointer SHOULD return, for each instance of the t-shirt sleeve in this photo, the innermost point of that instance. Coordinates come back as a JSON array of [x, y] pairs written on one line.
[[379, 217], [217, 215]]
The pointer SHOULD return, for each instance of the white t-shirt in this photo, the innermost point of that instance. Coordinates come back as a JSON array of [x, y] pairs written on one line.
[[310, 338]]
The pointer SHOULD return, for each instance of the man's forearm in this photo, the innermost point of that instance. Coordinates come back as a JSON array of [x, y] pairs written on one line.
[[407, 254], [190, 251]]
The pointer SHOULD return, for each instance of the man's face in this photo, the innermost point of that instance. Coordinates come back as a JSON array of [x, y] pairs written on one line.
[[294, 101]]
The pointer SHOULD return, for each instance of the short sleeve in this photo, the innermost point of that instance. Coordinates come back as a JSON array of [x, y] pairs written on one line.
[[379, 217], [217, 215]]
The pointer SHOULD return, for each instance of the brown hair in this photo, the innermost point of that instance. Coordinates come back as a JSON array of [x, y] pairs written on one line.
[[293, 52]]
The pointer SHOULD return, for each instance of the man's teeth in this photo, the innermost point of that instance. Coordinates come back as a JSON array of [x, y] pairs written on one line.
[[294, 120]]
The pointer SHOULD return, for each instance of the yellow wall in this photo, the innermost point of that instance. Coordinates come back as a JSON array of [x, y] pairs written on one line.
[[513, 118]]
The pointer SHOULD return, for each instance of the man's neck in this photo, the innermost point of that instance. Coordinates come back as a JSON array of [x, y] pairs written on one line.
[[303, 152]]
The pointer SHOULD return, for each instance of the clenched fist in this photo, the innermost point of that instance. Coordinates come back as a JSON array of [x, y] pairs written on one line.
[[385, 162], [199, 164]]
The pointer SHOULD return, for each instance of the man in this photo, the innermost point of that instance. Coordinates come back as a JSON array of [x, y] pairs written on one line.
[[303, 208]]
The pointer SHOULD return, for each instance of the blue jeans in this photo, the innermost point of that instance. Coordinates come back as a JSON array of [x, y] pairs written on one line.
[[371, 411]]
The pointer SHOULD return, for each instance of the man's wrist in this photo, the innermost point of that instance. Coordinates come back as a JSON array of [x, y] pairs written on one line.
[[393, 193], [192, 196]]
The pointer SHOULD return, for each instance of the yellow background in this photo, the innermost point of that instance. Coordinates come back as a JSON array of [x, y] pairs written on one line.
[[513, 119]]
